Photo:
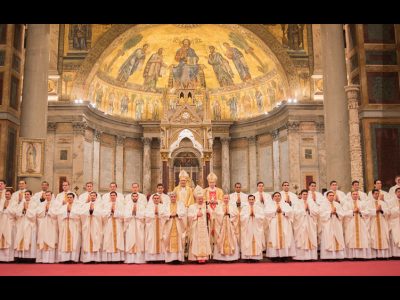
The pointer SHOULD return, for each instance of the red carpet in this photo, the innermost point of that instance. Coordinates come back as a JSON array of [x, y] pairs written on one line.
[[341, 268]]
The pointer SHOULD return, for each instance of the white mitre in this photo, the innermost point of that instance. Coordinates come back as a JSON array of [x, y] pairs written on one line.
[[198, 192]]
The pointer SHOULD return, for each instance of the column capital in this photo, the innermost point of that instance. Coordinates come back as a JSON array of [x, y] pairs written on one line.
[[97, 135], [120, 140], [320, 126], [292, 125], [146, 141], [80, 127], [51, 126], [275, 134], [252, 140], [225, 140]]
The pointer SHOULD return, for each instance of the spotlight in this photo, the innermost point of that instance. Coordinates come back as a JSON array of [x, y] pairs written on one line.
[[290, 100], [295, 100]]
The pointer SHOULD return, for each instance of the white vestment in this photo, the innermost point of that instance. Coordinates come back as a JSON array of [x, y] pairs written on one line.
[[113, 232], [7, 231], [280, 241], [355, 227], [318, 199], [361, 195], [142, 200], [233, 198], [15, 198], [342, 196], [332, 239], [392, 191], [25, 236], [252, 232], [83, 198], [227, 246], [134, 232], [174, 230], [200, 243], [47, 233], [305, 230], [106, 198], [69, 233], [262, 202], [36, 197], [292, 197], [92, 231], [154, 247], [379, 229], [394, 224], [164, 198]]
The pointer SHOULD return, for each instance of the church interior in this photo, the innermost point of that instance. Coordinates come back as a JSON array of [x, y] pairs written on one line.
[[140, 103]]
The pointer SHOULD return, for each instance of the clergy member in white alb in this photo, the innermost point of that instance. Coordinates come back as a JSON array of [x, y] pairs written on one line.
[[40, 196], [287, 196], [378, 225], [331, 216], [154, 247], [113, 229], [355, 226], [262, 198], [86, 197], [226, 226], [19, 195], [252, 230], [339, 196], [7, 226], [198, 215], [47, 233], [141, 197], [69, 234], [164, 198], [238, 198], [305, 228], [318, 199], [355, 186], [394, 224], [383, 195], [61, 198], [280, 241], [392, 190], [134, 222], [174, 229], [91, 214], [113, 188], [25, 236]]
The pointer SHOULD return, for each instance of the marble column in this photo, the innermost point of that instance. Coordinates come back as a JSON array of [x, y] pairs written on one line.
[[34, 96], [79, 129], [119, 163], [252, 163], [321, 181], [225, 165], [335, 106], [275, 157], [146, 165], [356, 163], [96, 160]]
